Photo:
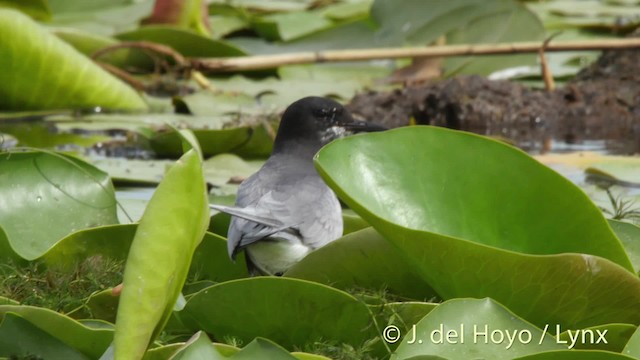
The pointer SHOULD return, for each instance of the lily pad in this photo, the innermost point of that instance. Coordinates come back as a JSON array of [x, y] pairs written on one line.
[[37, 9], [19, 337], [186, 42], [111, 241], [90, 342], [633, 346], [629, 235], [290, 25], [616, 336], [504, 232], [273, 307], [24, 88], [454, 329], [363, 259], [211, 261], [33, 189], [101, 17]]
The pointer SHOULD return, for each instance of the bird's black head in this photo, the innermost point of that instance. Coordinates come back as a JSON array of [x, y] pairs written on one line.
[[315, 121]]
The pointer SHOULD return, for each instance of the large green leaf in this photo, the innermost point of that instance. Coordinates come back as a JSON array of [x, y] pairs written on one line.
[[20, 338], [90, 342], [101, 17], [37, 9], [453, 330], [36, 186], [111, 241], [185, 42], [629, 235], [289, 311], [363, 259], [633, 346], [477, 217], [170, 229], [44, 72]]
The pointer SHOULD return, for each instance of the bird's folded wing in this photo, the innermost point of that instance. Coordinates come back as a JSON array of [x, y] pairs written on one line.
[[250, 214]]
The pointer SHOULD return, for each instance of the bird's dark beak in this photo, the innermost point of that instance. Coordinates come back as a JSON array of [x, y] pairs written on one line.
[[363, 126]]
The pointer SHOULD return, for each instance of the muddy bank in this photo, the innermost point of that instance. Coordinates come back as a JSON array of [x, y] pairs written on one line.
[[601, 103]]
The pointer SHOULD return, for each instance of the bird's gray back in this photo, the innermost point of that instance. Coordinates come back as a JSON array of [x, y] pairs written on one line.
[[293, 193]]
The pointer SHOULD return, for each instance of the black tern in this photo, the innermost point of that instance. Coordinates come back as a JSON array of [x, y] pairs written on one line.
[[285, 210]]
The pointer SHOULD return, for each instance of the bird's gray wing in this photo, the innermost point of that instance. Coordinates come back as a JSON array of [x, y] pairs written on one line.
[[296, 208]]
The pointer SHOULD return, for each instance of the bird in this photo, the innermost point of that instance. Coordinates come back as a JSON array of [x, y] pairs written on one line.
[[285, 210]]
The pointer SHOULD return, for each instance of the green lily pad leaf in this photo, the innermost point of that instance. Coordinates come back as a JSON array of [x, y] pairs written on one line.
[[453, 330], [576, 355], [223, 25], [185, 42], [267, 6], [37, 9], [307, 356], [33, 189], [162, 352], [221, 169], [102, 17], [487, 242], [624, 171], [23, 88], [629, 235], [7, 301], [103, 305], [290, 25], [18, 337], [402, 315], [198, 347], [352, 222], [347, 10], [263, 349], [111, 241], [276, 304], [363, 259], [162, 237], [133, 172], [213, 142], [85, 340], [43, 136], [616, 336], [88, 43], [633, 346], [211, 261]]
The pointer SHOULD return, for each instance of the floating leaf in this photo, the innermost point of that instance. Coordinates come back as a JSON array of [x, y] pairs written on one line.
[[264, 306], [363, 259], [25, 87], [19, 337], [185, 42], [616, 336], [633, 346], [37, 9], [50, 324], [629, 235], [34, 186], [511, 231], [290, 25], [101, 17], [452, 330]]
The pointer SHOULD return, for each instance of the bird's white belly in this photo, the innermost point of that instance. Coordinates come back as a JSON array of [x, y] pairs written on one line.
[[275, 257]]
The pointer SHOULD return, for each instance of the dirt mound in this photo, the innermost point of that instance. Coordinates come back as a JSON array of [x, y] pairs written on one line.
[[601, 103]]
